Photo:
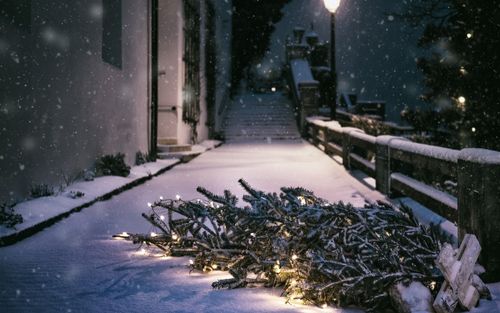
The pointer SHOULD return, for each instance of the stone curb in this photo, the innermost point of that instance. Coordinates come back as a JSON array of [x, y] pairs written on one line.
[[32, 230]]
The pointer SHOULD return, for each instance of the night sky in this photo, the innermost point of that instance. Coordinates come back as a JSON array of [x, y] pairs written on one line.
[[375, 51]]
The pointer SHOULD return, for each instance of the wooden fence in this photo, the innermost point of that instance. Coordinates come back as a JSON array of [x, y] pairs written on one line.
[[402, 167]]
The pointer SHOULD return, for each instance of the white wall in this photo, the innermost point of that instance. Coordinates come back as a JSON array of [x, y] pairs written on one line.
[[65, 106], [170, 53]]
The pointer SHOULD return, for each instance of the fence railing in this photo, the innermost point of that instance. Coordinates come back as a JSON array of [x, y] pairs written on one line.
[[402, 167]]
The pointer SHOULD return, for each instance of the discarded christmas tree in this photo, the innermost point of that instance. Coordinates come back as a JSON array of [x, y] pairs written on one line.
[[321, 253]]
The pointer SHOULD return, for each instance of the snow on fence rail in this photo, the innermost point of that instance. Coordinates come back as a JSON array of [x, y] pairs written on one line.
[[400, 166]]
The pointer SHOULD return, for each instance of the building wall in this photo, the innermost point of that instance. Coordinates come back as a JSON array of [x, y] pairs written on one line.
[[171, 54], [223, 10], [61, 105], [170, 80]]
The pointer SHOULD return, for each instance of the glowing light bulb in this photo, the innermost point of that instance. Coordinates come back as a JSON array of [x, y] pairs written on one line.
[[294, 257], [161, 198], [175, 237], [142, 252], [153, 234], [273, 89], [469, 35], [178, 197], [162, 217], [302, 200], [433, 285], [461, 100], [191, 262], [150, 204], [473, 129]]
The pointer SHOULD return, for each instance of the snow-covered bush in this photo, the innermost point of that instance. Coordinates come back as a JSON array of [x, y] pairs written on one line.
[[8, 217], [142, 158], [112, 165], [40, 190]]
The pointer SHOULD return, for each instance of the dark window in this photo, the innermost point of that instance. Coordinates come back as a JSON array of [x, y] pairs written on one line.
[[112, 32], [191, 101], [17, 13]]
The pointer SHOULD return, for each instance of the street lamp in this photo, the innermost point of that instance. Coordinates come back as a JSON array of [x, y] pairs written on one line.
[[332, 6]]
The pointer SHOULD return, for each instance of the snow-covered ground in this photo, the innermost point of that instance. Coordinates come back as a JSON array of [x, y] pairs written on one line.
[[75, 266]]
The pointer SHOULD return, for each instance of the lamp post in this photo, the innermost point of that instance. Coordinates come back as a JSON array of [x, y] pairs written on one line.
[[332, 6]]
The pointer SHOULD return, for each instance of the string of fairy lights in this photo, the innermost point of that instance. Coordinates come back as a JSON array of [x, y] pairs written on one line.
[[320, 253]]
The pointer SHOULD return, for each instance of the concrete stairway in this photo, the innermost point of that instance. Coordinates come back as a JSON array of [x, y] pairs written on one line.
[[260, 117], [168, 148]]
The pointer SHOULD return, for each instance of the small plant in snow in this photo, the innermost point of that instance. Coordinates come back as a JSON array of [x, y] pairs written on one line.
[[75, 194], [40, 190], [88, 175], [8, 217], [142, 158], [112, 165]]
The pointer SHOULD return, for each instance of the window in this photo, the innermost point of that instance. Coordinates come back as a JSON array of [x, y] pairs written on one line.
[[17, 13], [112, 32]]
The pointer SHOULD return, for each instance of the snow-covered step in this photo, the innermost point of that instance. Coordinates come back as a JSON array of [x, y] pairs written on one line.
[[174, 148], [260, 118], [167, 141]]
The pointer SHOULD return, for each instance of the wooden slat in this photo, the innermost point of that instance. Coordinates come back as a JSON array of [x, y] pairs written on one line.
[[363, 141], [332, 148], [440, 202], [444, 167], [362, 164]]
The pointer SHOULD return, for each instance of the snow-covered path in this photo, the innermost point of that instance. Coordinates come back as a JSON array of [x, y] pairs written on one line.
[[75, 266]]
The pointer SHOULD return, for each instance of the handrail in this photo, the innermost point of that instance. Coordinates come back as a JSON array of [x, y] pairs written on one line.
[[400, 166]]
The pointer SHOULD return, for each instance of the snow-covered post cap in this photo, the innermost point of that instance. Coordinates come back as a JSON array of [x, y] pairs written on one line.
[[479, 204], [482, 156]]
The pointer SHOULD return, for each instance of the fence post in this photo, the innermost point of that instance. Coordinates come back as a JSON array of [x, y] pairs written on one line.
[[479, 204], [347, 145], [382, 164], [309, 102]]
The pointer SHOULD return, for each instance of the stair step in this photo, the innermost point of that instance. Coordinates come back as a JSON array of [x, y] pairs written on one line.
[[174, 148], [167, 141]]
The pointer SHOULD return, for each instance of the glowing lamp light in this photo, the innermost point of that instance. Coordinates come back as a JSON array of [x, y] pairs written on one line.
[[150, 204], [178, 197], [273, 89], [332, 5], [294, 257], [461, 100], [473, 129], [162, 217], [469, 35], [191, 262], [175, 237], [214, 266], [161, 198], [153, 234]]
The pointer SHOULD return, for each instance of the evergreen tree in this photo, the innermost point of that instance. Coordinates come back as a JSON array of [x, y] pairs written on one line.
[[461, 68], [253, 24]]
